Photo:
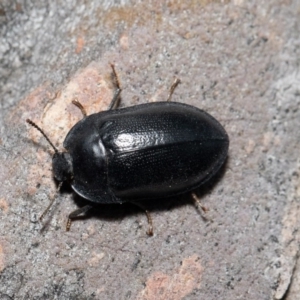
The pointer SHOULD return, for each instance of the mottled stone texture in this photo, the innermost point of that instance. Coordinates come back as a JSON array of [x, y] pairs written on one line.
[[238, 60]]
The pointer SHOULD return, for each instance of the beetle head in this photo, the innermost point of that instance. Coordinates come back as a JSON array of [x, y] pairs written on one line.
[[61, 163], [62, 166]]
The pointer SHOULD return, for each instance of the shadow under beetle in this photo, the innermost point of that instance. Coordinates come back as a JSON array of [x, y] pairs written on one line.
[[147, 151]]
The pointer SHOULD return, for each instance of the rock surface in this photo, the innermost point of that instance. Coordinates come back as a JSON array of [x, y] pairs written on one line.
[[239, 61]]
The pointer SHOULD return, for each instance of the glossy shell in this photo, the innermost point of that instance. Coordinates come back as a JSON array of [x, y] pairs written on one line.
[[146, 151]]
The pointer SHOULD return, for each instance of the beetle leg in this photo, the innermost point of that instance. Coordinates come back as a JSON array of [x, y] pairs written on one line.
[[150, 223], [76, 213], [79, 105], [149, 218], [116, 98], [173, 87], [198, 203]]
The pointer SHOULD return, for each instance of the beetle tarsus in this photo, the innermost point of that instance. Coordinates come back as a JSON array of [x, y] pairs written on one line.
[[76, 213], [68, 226]]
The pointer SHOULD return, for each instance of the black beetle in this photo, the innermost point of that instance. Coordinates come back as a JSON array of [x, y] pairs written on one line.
[[147, 151]]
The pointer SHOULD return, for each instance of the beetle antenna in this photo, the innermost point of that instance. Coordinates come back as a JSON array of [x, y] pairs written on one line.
[[42, 132], [46, 210], [50, 204]]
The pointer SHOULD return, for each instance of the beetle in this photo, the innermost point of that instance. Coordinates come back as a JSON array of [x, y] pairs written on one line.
[[147, 151]]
